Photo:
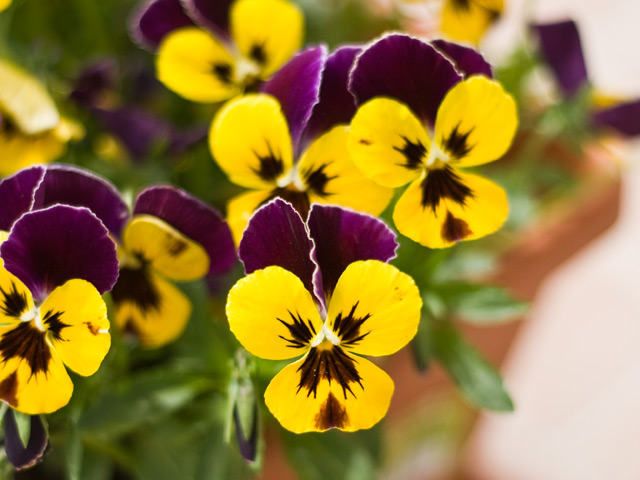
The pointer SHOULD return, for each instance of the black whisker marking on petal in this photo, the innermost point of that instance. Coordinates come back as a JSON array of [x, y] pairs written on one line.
[[271, 165], [414, 153], [14, 302], [28, 343], [443, 183], [54, 324], [135, 285], [317, 180], [224, 72], [330, 364], [301, 332], [461, 5], [347, 327], [258, 54], [457, 143]]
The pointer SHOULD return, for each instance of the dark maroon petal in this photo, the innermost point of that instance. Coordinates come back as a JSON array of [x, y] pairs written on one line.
[[623, 118], [211, 14], [19, 455], [154, 19], [297, 87], [276, 235], [343, 236], [404, 68], [48, 247], [336, 104], [193, 218], [68, 185], [17, 194], [562, 50], [467, 60]]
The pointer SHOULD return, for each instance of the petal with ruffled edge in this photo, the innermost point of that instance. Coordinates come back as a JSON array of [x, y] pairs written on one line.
[[297, 87], [407, 69], [77, 187], [155, 19], [330, 176], [336, 104], [476, 122], [331, 404], [75, 317], [17, 193], [277, 235], [623, 118], [250, 140], [267, 32], [561, 47], [388, 143], [150, 307], [467, 61], [24, 456], [342, 237], [15, 298], [48, 247], [272, 314], [447, 206], [194, 218], [468, 20], [241, 207], [195, 65], [375, 308], [167, 250]]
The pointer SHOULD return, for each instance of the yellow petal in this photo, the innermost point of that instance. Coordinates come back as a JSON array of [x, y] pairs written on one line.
[[24, 100], [152, 308], [15, 297], [18, 151], [4, 4], [440, 225], [195, 65], [267, 32], [469, 21], [387, 142], [330, 176], [272, 314], [375, 308], [476, 122], [250, 140], [75, 317], [240, 208], [300, 408], [165, 248]]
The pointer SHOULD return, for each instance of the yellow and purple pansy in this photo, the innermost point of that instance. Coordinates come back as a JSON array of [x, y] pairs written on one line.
[[56, 262], [568, 66], [290, 140], [31, 128], [212, 51], [468, 20], [322, 292], [432, 110]]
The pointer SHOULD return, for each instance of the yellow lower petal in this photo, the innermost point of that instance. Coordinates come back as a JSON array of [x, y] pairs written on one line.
[[75, 316], [240, 208], [300, 410], [19, 151], [272, 314], [375, 308]]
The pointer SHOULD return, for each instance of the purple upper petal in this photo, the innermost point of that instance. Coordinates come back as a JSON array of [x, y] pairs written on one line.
[[562, 50], [193, 218], [467, 60], [276, 235], [19, 455], [343, 236], [68, 185], [623, 118], [404, 68], [297, 87], [213, 15], [94, 81], [336, 104], [154, 19], [46, 248], [17, 194]]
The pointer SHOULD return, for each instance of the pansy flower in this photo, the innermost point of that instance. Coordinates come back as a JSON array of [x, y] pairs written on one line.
[[419, 123], [242, 43], [4, 4], [56, 262], [290, 141], [562, 50], [322, 292], [171, 236], [31, 129]]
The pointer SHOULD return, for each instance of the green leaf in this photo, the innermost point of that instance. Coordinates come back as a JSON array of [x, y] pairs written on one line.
[[481, 304], [477, 379], [73, 453], [421, 345]]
